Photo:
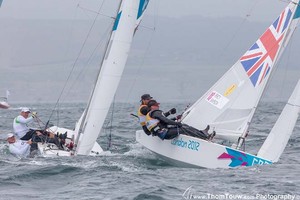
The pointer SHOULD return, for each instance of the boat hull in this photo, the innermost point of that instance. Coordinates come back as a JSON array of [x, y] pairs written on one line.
[[4, 105], [51, 150], [193, 152]]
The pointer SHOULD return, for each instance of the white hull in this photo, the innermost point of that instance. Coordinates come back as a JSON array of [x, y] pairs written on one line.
[[189, 151], [51, 150], [4, 105]]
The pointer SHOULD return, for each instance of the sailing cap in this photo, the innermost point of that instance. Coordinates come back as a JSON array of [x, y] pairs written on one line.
[[10, 135], [146, 97], [152, 103], [25, 109]]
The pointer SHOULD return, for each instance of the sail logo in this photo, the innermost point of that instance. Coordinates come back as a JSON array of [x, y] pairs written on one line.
[[230, 90], [217, 100], [259, 59], [241, 159], [191, 144]]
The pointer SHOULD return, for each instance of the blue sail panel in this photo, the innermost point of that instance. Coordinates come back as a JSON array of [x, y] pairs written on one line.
[[297, 13], [117, 21], [142, 7]]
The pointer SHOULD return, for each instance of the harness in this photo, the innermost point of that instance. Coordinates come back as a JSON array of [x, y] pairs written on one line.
[[142, 117], [152, 123], [153, 126]]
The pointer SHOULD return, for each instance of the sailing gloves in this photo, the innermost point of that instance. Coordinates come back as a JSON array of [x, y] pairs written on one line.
[[33, 114], [170, 112]]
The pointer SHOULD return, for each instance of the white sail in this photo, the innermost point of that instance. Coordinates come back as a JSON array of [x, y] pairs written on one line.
[[278, 138], [229, 105], [128, 18], [4, 101]]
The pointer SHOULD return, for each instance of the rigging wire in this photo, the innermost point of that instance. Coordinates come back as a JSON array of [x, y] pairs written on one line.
[[92, 11], [239, 27], [89, 60], [75, 62], [111, 125]]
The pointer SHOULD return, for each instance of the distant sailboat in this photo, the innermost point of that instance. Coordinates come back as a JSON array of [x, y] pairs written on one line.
[[90, 124], [229, 105], [4, 101]]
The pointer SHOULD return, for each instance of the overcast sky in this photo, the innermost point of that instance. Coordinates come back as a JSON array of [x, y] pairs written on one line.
[[62, 9], [40, 40]]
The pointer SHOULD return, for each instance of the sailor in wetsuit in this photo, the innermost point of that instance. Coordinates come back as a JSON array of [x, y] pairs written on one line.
[[143, 110], [159, 125]]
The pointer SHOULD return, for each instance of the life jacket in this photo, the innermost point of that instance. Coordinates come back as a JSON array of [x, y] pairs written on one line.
[[151, 123], [142, 117]]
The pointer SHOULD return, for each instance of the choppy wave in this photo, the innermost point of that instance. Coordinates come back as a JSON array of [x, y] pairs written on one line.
[[129, 171]]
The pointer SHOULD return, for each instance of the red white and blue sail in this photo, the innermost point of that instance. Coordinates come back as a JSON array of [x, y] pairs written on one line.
[[259, 59], [229, 105]]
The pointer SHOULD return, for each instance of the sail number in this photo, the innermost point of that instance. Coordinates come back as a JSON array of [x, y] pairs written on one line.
[[191, 144]]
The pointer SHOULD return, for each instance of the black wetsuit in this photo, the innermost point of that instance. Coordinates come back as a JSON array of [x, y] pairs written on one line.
[[31, 134], [171, 129]]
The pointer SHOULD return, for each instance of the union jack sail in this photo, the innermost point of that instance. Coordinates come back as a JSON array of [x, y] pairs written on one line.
[[259, 59]]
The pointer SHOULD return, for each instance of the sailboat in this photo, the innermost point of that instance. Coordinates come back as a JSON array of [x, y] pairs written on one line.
[[229, 105], [4, 101], [82, 140]]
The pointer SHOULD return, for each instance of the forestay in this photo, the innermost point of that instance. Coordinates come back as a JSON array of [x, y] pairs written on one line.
[[127, 20], [229, 105]]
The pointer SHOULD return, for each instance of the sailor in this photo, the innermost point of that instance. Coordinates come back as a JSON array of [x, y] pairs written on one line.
[[143, 110], [20, 124], [159, 125], [23, 132], [19, 148]]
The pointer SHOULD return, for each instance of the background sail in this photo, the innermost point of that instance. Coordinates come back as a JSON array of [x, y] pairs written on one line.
[[278, 138], [229, 105], [128, 18]]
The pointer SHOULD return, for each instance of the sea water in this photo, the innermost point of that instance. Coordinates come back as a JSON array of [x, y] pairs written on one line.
[[129, 171]]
